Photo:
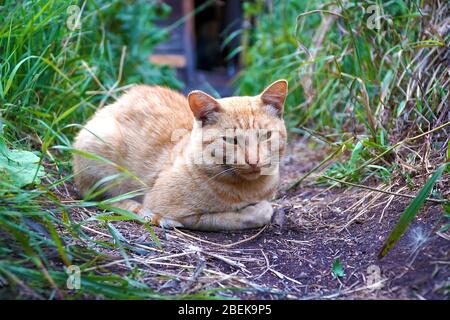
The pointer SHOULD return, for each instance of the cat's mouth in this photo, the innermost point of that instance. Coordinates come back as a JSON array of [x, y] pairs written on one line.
[[242, 171], [250, 171]]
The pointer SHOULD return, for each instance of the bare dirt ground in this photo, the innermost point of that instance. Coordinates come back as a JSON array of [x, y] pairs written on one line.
[[293, 257]]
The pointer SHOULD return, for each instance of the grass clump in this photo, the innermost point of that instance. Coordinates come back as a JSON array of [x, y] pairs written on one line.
[[364, 76], [54, 73]]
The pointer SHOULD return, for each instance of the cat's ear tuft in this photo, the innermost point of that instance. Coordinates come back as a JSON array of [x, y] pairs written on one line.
[[274, 97], [203, 106]]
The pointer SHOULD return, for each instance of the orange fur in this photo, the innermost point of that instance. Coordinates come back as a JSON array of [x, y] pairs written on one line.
[[136, 137]]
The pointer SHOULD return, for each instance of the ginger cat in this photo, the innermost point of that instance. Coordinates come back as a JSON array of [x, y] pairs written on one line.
[[202, 163]]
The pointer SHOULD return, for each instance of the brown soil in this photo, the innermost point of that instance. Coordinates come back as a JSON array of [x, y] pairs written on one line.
[[293, 257]]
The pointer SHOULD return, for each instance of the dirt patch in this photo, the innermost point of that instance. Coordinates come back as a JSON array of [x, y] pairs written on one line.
[[293, 257]]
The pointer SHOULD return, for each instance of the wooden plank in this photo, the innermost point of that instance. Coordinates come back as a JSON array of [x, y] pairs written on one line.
[[189, 38], [173, 60]]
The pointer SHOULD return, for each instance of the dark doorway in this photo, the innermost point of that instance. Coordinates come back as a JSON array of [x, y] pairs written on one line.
[[197, 47], [212, 26]]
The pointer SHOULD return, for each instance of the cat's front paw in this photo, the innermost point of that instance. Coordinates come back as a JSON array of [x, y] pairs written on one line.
[[157, 220], [258, 215]]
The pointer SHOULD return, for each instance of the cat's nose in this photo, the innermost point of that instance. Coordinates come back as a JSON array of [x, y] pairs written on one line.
[[254, 166], [252, 160], [253, 163]]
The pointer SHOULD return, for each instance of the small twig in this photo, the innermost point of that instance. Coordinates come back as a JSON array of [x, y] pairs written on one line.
[[335, 153], [141, 246], [227, 261], [367, 206], [391, 198], [194, 278], [266, 259], [283, 276], [317, 135], [222, 245], [382, 191]]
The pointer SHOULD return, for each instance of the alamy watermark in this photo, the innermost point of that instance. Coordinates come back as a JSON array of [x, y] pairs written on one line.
[[74, 277], [374, 280], [376, 15], [73, 21]]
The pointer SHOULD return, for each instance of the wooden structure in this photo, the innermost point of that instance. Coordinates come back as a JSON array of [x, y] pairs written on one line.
[[195, 43]]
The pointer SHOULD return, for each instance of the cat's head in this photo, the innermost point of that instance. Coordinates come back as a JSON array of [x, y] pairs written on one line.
[[240, 136]]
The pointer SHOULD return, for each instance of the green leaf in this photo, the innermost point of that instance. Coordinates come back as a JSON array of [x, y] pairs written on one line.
[[446, 226], [356, 153], [448, 154], [337, 269], [400, 108], [18, 167], [446, 207], [410, 212], [125, 215], [118, 238]]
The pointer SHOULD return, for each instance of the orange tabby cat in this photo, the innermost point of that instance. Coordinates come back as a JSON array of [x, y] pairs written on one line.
[[184, 154]]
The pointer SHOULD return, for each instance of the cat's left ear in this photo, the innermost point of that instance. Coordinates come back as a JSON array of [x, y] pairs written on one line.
[[274, 96]]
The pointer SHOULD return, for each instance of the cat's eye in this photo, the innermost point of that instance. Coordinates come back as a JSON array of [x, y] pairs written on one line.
[[265, 136], [231, 140]]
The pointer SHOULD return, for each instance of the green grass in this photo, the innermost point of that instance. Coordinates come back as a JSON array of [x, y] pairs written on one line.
[[357, 89], [52, 78], [410, 212]]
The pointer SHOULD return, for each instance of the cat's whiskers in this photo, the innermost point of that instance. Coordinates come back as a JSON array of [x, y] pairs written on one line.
[[220, 173], [194, 205]]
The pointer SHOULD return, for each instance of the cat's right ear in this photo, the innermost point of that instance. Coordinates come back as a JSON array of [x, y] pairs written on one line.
[[204, 107], [274, 96]]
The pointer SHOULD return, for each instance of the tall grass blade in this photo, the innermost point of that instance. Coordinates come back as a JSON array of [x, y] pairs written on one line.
[[410, 212]]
